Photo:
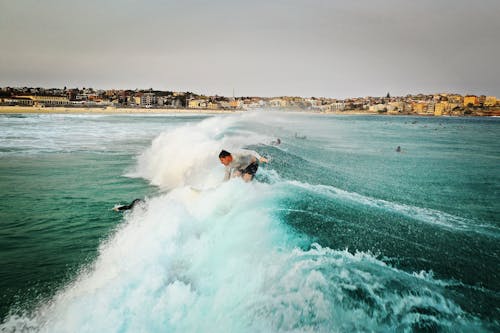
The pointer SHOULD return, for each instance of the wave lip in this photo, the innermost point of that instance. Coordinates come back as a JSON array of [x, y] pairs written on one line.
[[426, 215]]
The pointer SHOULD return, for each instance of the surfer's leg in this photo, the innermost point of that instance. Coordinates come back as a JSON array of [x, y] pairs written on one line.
[[247, 177], [249, 172], [136, 202], [124, 207], [127, 207]]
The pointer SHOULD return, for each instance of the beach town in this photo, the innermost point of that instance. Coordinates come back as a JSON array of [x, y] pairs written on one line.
[[33, 100]]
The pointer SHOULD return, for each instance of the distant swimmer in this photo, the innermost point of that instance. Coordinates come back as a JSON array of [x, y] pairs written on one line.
[[130, 206], [398, 149], [242, 164], [277, 142]]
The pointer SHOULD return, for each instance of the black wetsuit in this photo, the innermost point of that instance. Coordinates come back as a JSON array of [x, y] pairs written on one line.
[[132, 205]]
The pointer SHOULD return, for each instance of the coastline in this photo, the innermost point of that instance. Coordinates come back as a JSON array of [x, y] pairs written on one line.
[[113, 110], [107, 111]]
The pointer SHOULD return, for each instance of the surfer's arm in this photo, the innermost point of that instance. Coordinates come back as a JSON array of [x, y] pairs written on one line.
[[263, 160], [260, 158], [255, 155]]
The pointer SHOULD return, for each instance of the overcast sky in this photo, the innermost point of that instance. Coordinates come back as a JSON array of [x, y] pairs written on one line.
[[304, 48]]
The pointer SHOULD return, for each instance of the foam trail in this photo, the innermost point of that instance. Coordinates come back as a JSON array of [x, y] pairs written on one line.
[[426, 215]]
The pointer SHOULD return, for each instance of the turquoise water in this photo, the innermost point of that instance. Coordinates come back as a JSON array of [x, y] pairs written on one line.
[[339, 232]]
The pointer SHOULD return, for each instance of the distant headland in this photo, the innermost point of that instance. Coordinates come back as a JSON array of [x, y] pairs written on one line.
[[27, 99]]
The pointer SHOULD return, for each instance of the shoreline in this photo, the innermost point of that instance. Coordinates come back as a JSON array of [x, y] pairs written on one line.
[[112, 110], [107, 111], [118, 111]]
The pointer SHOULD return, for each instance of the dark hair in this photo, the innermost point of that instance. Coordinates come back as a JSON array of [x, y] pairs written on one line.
[[224, 153]]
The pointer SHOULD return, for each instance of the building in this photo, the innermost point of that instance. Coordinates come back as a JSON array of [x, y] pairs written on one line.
[[471, 100], [46, 100], [225, 105], [236, 104], [337, 106], [148, 100], [456, 99], [439, 108], [419, 108], [431, 107], [197, 104], [395, 107], [213, 105], [278, 103], [135, 100], [162, 101], [17, 101], [490, 101], [378, 108]]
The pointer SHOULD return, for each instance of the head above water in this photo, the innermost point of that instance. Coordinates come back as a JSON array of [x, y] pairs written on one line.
[[225, 157]]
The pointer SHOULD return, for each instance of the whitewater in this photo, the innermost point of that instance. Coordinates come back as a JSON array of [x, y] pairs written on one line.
[[338, 232]]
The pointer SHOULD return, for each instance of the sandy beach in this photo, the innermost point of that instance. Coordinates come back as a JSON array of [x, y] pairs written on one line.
[[108, 110], [112, 110]]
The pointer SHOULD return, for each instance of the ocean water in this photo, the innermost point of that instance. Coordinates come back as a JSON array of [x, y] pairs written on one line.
[[338, 232]]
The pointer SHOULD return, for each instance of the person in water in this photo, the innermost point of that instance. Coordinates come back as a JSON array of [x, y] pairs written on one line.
[[130, 206], [244, 164]]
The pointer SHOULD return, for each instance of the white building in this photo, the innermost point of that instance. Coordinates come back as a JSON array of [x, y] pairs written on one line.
[[338, 106], [148, 99]]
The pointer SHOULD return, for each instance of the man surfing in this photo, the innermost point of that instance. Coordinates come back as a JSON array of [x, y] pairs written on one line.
[[241, 164], [127, 207]]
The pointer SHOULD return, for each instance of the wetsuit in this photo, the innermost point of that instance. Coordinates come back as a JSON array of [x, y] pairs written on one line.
[[132, 205]]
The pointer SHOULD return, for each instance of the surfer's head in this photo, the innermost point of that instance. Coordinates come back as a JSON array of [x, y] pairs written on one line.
[[225, 157]]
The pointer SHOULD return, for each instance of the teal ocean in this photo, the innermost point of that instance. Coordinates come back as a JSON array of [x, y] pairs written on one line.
[[339, 232]]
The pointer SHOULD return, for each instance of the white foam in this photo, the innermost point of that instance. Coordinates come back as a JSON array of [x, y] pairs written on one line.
[[218, 260], [426, 215], [34, 134]]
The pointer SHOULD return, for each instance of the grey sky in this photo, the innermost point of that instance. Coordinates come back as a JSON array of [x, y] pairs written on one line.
[[260, 48]]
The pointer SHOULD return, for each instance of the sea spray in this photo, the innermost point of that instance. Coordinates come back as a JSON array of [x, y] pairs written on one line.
[[187, 155]]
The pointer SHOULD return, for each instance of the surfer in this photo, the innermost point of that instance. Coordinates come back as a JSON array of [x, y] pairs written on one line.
[[302, 137], [130, 206], [277, 142], [242, 164]]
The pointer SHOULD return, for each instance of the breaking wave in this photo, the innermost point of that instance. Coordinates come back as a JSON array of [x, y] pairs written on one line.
[[207, 256]]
